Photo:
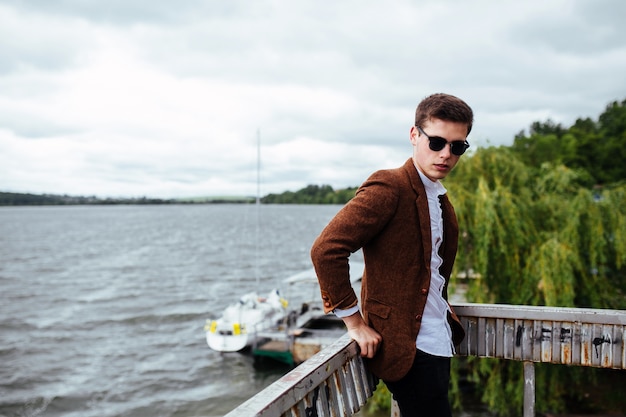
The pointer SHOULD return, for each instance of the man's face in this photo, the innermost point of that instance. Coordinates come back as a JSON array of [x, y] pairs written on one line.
[[436, 165]]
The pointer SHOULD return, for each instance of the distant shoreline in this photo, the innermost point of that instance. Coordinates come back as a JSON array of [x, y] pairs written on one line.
[[311, 194], [26, 199]]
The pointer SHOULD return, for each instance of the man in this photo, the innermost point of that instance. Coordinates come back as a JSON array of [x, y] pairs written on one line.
[[407, 229]]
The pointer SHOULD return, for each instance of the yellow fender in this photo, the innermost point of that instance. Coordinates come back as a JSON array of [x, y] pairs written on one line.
[[210, 326]]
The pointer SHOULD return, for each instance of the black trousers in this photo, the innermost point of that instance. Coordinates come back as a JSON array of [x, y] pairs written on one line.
[[423, 392]]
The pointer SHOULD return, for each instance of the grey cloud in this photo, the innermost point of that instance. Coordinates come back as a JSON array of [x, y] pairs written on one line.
[[581, 27], [31, 127], [17, 56], [39, 44], [118, 12]]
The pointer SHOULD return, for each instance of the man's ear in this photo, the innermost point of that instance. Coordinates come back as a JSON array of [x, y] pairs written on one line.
[[413, 134]]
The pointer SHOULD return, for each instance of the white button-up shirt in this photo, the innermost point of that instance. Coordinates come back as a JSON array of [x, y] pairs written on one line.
[[435, 335]]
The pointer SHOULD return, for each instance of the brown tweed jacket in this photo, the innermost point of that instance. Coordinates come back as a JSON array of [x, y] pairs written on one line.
[[389, 219]]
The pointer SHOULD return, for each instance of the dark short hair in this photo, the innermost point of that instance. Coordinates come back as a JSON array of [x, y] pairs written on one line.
[[444, 107]]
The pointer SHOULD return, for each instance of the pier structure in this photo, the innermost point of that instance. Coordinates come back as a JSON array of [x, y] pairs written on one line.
[[336, 383]]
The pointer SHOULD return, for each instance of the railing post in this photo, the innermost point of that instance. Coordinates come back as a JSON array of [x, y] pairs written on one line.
[[529, 389], [395, 410]]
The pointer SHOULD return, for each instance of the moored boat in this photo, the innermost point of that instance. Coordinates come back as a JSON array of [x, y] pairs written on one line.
[[243, 322]]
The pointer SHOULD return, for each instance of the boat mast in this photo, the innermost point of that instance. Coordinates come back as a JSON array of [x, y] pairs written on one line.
[[258, 204]]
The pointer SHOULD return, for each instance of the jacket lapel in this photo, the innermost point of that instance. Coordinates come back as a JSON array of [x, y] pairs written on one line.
[[421, 205]]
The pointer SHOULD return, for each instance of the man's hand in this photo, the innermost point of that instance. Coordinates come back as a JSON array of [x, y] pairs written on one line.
[[367, 338]]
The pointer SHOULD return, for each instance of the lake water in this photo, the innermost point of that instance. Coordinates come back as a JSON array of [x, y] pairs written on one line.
[[103, 307]]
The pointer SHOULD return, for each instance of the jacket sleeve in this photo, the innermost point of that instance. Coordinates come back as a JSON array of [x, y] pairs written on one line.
[[359, 221]]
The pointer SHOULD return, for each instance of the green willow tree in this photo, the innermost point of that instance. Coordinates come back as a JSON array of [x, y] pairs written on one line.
[[596, 146], [536, 236]]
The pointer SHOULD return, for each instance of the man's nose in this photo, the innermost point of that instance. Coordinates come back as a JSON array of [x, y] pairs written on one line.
[[446, 151]]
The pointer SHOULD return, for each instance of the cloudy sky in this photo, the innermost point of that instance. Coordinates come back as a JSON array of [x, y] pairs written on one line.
[[165, 98]]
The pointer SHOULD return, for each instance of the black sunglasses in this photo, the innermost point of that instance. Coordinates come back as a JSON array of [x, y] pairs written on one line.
[[436, 143]]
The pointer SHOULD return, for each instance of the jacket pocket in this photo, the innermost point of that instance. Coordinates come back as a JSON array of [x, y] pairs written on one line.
[[376, 308]]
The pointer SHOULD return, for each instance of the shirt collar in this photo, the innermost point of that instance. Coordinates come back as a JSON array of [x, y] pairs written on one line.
[[432, 187]]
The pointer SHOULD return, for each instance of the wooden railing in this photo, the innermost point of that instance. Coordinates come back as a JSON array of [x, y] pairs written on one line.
[[335, 382]]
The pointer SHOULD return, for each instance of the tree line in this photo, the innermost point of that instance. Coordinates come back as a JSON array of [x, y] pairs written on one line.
[[312, 194], [26, 199], [543, 222]]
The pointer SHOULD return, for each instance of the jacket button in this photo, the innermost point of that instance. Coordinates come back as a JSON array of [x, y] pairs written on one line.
[[418, 317], [424, 291], [326, 304]]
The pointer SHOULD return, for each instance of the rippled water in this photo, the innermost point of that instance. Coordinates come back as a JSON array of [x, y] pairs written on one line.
[[103, 307]]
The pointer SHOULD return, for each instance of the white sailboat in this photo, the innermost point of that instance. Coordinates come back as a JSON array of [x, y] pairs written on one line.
[[243, 322]]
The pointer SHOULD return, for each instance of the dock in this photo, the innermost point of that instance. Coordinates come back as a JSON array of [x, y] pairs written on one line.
[[278, 350], [312, 332]]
